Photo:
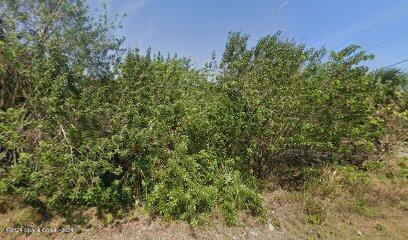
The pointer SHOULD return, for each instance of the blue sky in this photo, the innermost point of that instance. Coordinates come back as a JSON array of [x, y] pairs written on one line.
[[194, 28]]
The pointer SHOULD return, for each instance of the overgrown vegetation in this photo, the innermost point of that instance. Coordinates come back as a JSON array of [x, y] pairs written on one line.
[[82, 124]]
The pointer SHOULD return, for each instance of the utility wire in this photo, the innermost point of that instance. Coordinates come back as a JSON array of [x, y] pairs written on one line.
[[376, 24], [382, 20], [397, 63], [387, 40]]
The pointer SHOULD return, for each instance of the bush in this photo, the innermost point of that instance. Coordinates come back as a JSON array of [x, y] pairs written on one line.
[[82, 126], [191, 185], [289, 105]]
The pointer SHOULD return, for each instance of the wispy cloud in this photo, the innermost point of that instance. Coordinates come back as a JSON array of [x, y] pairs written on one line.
[[338, 38], [150, 27], [283, 4], [135, 6]]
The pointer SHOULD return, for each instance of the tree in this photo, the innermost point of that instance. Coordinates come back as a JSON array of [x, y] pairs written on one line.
[[52, 36]]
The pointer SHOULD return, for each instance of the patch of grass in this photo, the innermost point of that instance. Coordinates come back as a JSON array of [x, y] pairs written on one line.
[[403, 164], [380, 227], [315, 213], [372, 166], [363, 208], [403, 204], [404, 173], [25, 217], [389, 174], [3, 204], [276, 223], [294, 196], [352, 176], [8, 203], [314, 219], [108, 218], [400, 171], [318, 181], [132, 216]]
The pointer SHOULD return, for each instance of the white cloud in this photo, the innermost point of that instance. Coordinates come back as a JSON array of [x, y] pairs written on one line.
[[283, 4]]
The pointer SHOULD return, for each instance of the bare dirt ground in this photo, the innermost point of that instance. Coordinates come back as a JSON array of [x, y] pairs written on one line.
[[381, 214]]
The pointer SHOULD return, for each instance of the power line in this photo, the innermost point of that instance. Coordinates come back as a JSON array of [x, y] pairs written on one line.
[[397, 63], [389, 39], [382, 20], [376, 24]]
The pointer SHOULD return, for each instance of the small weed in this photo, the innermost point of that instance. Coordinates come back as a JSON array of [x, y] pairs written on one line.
[[109, 218], [363, 209], [371, 166], [352, 176], [314, 219], [403, 205], [132, 216], [390, 174], [380, 227], [318, 182], [403, 162], [315, 213], [404, 173]]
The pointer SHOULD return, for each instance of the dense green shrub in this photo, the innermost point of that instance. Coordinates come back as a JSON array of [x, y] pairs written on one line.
[[199, 183], [289, 104], [392, 87], [82, 125]]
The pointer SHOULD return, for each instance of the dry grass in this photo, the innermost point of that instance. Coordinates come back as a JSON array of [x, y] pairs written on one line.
[[336, 203]]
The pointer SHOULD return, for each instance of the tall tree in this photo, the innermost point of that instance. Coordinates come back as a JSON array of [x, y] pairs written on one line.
[[38, 35]]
